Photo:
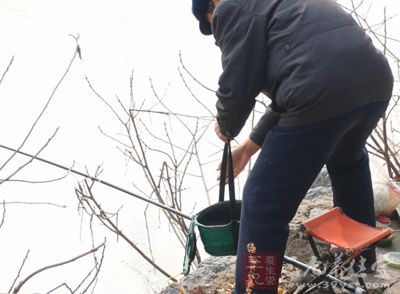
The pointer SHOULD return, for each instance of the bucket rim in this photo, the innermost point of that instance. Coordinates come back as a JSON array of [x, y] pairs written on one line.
[[212, 226]]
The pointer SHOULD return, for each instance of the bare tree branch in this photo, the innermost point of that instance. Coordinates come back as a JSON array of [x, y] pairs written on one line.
[[96, 270], [23, 282], [90, 204], [45, 106], [363, 21]]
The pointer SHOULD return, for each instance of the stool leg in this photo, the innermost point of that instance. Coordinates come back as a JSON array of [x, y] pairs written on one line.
[[318, 280], [343, 284], [314, 247], [362, 283], [316, 252]]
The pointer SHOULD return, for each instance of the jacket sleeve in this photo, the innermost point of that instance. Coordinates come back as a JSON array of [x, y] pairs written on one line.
[[264, 125], [241, 36]]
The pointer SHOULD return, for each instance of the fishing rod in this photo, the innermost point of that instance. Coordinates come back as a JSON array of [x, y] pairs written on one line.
[[163, 206], [296, 263]]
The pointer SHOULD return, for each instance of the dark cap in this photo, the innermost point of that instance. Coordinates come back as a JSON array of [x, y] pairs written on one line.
[[199, 9]]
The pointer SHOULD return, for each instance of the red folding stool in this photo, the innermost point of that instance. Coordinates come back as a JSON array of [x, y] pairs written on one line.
[[336, 228]]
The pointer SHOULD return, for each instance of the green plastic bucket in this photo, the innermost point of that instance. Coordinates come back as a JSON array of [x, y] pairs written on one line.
[[218, 224], [218, 232]]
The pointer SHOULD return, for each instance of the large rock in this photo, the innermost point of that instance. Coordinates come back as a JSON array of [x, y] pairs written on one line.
[[215, 275]]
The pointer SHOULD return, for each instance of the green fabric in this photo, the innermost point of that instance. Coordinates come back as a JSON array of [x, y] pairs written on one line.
[[219, 240], [190, 248]]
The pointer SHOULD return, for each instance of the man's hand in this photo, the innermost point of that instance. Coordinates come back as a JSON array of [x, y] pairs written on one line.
[[241, 155], [219, 134]]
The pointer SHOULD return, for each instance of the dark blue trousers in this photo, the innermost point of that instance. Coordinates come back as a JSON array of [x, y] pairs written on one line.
[[287, 165]]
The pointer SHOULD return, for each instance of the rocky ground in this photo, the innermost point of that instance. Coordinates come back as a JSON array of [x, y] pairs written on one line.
[[215, 275]]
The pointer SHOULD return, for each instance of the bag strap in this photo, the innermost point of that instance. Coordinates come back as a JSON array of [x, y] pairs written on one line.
[[227, 162]]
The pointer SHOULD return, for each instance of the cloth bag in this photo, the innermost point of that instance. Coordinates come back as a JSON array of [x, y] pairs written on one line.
[[218, 224]]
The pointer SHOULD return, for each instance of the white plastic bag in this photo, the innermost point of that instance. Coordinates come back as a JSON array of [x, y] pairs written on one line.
[[386, 192]]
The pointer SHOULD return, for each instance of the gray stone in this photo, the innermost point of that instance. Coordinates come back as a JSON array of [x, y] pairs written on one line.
[[316, 212], [322, 179], [316, 192]]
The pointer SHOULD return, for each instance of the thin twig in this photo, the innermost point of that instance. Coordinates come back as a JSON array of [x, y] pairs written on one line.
[[192, 76], [167, 108], [59, 287], [35, 203], [148, 232], [38, 181], [158, 138], [19, 271], [193, 95], [30, 160], [7, 69], [3, 214], [204, 117]]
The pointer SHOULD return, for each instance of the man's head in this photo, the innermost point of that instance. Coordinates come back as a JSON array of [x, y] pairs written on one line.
[[202, 10]]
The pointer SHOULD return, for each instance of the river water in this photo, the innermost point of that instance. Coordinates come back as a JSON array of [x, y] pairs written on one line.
[[116, 37]]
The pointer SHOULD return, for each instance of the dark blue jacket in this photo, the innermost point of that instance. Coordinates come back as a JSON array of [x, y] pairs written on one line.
[[311, 56]]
